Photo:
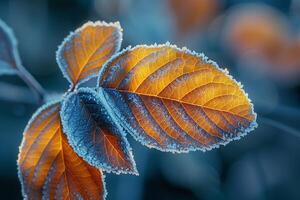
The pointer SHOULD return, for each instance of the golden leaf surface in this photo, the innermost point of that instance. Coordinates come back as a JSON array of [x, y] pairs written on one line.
[[84, 51], [48, 166], [175, 100]]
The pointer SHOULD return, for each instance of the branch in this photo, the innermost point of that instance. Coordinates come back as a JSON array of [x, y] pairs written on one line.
[[32, 83]]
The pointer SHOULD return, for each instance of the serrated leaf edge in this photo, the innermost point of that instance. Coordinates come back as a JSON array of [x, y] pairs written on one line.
[[103, 167], [61, 62], [238, 136]]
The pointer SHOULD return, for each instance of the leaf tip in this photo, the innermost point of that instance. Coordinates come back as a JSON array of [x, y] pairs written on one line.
[[67, 44]]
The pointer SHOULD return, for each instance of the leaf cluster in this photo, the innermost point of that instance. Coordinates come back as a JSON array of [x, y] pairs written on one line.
[[167, 98]]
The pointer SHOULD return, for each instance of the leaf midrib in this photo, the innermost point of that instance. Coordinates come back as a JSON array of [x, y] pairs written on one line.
[[176, 100], [102, 131], [88, 58]]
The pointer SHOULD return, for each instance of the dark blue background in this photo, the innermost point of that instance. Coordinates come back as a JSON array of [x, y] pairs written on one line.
[[263, 165]]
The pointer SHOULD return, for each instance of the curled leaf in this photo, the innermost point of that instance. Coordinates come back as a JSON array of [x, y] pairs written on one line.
[[93, 133], [175, 100], [48, 166], [9, 57], [83, 52]]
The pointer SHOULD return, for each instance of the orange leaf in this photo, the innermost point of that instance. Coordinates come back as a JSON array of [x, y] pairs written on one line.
[[190, 14], [256, 29], [48, 166], [174, 100], [84, 51]]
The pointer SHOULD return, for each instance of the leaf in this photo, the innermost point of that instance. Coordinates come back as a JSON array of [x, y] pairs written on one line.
[[48, 166], [256, 30], [192, 14], [84, 51], [94, 135], [9, 57], [175, 100]]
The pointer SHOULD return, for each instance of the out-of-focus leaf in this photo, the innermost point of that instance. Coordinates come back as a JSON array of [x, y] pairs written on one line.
[[48, 166], [288, 62], [263, 35], [190, 14], [175, 100], [94, 135], [9, 57], [257, 29], [84, 51]]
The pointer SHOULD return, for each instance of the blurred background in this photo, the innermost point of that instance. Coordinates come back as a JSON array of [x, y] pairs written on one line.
[[259, 43]]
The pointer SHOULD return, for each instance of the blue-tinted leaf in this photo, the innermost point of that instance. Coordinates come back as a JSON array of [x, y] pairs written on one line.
[[9, 57], [93, 133]]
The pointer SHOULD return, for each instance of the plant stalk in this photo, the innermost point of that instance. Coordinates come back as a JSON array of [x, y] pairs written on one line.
[[32, 83]]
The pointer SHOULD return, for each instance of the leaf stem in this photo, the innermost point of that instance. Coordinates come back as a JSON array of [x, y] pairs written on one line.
[[72, 88], [32, 83]]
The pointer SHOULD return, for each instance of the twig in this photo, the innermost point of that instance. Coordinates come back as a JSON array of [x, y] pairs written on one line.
[[32, 83], [281, 126]]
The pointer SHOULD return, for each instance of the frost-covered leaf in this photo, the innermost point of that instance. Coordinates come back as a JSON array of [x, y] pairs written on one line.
[[9, 57], [83, 52], [175, 100], [48, 166], [93, 133]]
